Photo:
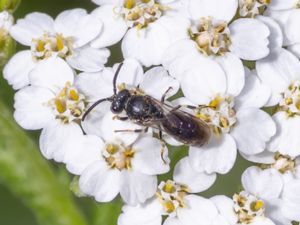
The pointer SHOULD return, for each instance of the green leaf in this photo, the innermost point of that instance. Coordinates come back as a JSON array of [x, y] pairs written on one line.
[[30, 178]]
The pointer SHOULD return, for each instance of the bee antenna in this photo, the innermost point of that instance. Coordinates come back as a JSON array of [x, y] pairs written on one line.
[[115, 78], [94, 105]]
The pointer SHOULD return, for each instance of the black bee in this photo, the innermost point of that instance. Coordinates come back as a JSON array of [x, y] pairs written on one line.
[[149, 112]]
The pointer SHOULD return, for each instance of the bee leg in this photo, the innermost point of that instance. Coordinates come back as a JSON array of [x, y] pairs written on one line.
[[121, 118], [165, 94], [145, 130], [163, 145]]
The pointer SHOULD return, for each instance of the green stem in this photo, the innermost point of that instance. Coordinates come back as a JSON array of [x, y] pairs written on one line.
[[30, 178]]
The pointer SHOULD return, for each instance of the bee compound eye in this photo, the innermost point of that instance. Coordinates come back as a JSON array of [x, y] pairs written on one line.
[[116, 108]]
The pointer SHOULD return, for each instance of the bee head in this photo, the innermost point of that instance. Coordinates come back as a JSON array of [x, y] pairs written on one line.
[[119, 101]]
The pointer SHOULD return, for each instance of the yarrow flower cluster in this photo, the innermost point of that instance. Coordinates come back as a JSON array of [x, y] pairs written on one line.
[[199, 73]]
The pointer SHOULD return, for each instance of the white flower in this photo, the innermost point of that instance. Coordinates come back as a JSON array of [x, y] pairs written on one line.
[[54, 104], [232, 110], [6, 21], [67, 38], [244, 208], [174, 201], [155, 82], [287, 14], [278, 185], [252, 8], [116, 164], [149, 27], [214, 44], [281, 73]]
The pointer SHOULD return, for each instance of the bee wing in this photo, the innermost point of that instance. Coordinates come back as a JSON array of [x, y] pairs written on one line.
[[168, 108]]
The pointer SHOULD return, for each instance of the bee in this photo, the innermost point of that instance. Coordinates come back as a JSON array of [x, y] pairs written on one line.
[[147, 111]]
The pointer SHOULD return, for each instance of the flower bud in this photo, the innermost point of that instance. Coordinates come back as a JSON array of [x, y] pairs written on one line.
[[9, 5], [7, 49], [7, 44]]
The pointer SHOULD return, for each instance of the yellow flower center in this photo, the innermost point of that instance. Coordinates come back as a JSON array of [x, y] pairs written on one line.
[[212, 37], [283, 164], [69, 105], [247, 207], [290, 102], [219, 114], [50, 45], [171, 196], [251, 8], [117, 156], [140, 13]]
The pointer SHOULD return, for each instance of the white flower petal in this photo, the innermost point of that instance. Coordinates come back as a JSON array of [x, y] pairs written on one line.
[[277, 71], [295, 49], [274, 212], [265, 157], [203, 82], [266, 184], [93, 121], [276, 35], [110, 125], [172, 221], [235, 73], [242, 35], [86, 150], [180, 56], [259, 220], [137, 187], [255, 93], [32, 113], [17, 76], [177, 26], [292, 27], [257, 123], [146, 45], [286, 141], [281, 17], [281, 5], [217, 156], [148, 157], [195, 181], [114, 26], [79, 25], [291, 211], [122, 221], [220, 220], [34, 25], [52, 73], [103, 2], [89, 59], [57, 139], [100, 181], [6, 21], [225, 207], [95, 86], [291, 195], [199, 211], [156, 82], [131, 72], [148, 213], [220, 10]]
